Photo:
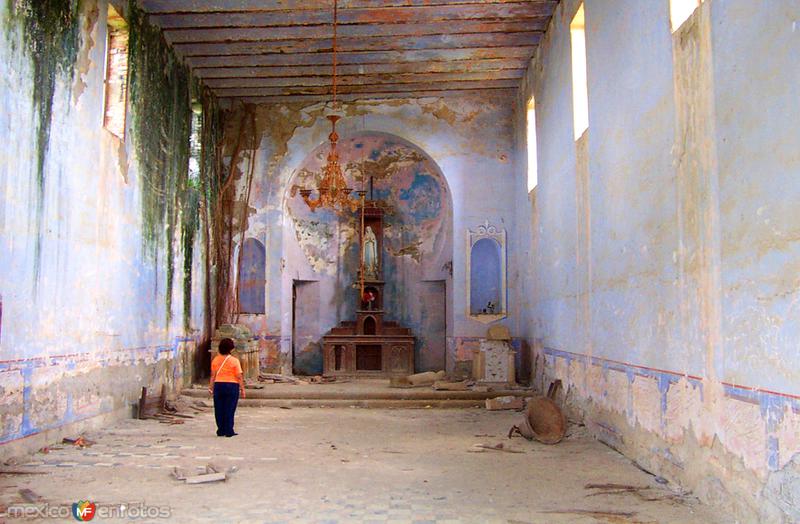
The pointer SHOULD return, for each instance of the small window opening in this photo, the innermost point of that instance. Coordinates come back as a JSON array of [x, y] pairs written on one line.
[[195, 145], [116, 74], [532, 160], [680, 11], [580, 91]]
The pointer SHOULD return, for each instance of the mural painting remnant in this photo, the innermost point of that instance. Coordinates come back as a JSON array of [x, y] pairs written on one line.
[[417, 227]]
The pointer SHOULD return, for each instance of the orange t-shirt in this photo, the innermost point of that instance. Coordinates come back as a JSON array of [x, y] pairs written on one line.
[[230, 372]]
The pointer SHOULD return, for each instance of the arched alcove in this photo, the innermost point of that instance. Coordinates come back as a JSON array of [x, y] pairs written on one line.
[[370, 326], [417, 241], [486, 273], [252, 277], [485, 277]]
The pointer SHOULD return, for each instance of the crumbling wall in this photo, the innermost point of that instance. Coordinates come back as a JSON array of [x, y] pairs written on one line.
[[100, 292], [665, 255], [469, 138]]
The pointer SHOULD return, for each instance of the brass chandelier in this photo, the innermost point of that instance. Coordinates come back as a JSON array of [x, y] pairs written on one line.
[[332, 189]]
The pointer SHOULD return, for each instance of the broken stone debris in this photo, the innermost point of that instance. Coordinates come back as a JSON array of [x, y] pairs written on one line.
[[274, 378], [399, 382], [208, 477], [444, 385], [482, 448], [507, 402], [30, 496], [428, 378], [168, 411], [209, 473]]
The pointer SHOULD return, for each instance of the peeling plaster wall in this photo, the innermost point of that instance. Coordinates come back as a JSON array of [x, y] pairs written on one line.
[[80, 339], [664, 250], [471, 141]]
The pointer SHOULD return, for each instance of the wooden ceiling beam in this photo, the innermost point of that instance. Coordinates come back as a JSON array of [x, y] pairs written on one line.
[[418, 56], [384, 15], [282, 49], [211, 6], [325, 32], [324, 70], [361, 80], [360, 89], [433, 93], [378, 43]]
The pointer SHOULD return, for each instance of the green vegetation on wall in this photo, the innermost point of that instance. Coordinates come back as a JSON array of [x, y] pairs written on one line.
[[160, 94], [52, 38], [203, 189], [173, 204]]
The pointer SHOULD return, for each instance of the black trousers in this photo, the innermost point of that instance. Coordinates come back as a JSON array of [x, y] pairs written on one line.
[[226, 397]]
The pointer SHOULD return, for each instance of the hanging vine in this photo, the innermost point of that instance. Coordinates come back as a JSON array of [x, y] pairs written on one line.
[[51, 35], [160, 94], [211, 140]]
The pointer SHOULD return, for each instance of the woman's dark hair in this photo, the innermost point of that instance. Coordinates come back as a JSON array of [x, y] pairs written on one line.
[[226, 345]]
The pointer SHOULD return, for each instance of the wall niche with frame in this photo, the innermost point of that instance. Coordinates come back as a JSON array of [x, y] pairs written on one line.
[[486, 273]]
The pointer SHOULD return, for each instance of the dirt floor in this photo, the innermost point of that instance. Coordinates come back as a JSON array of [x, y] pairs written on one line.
[[348, 465]]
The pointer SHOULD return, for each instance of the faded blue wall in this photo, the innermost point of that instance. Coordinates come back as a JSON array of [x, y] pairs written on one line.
[[80, 339], [664, 247]]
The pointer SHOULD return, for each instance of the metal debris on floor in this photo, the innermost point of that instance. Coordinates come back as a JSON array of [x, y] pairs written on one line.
[[543, 420], [80, 442]]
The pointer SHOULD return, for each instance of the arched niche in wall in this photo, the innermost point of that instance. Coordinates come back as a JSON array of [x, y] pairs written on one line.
[[252, 278], [417, 237], [486, 273]]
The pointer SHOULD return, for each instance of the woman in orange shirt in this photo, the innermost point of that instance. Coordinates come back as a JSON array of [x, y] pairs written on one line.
[[226, 384]]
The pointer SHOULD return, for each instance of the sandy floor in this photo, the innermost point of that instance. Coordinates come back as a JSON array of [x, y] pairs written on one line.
[[351, 465]]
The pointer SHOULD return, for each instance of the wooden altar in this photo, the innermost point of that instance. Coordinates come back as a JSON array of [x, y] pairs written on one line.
[[370, 346]]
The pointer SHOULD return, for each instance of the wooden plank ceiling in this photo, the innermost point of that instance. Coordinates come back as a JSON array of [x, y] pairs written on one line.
[[280, 50]]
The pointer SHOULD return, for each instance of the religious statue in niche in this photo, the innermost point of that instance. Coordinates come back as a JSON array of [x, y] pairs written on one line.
[[369, 298], [373, 346], [370, 253]]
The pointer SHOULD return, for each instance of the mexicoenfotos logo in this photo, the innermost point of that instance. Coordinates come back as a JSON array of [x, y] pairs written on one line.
[[84, 510]]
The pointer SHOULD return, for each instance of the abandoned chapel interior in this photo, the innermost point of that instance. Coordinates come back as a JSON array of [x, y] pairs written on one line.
[[514, 261]]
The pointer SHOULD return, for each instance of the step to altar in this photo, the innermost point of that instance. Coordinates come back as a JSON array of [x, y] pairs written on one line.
[[366, 393]]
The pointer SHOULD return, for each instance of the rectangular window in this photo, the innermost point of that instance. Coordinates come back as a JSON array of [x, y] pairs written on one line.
[[195, 143], [680, 11], [580, 94], [116, 75], [532, 160]]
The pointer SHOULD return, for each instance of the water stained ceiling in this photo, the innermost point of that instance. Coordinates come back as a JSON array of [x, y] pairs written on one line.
[[280, 50]]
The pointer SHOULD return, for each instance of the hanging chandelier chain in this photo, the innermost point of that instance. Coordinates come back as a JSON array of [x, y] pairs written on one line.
[[332, 188], [335, 24]]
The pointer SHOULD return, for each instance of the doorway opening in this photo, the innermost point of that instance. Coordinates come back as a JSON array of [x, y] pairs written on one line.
[[306, 352]]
